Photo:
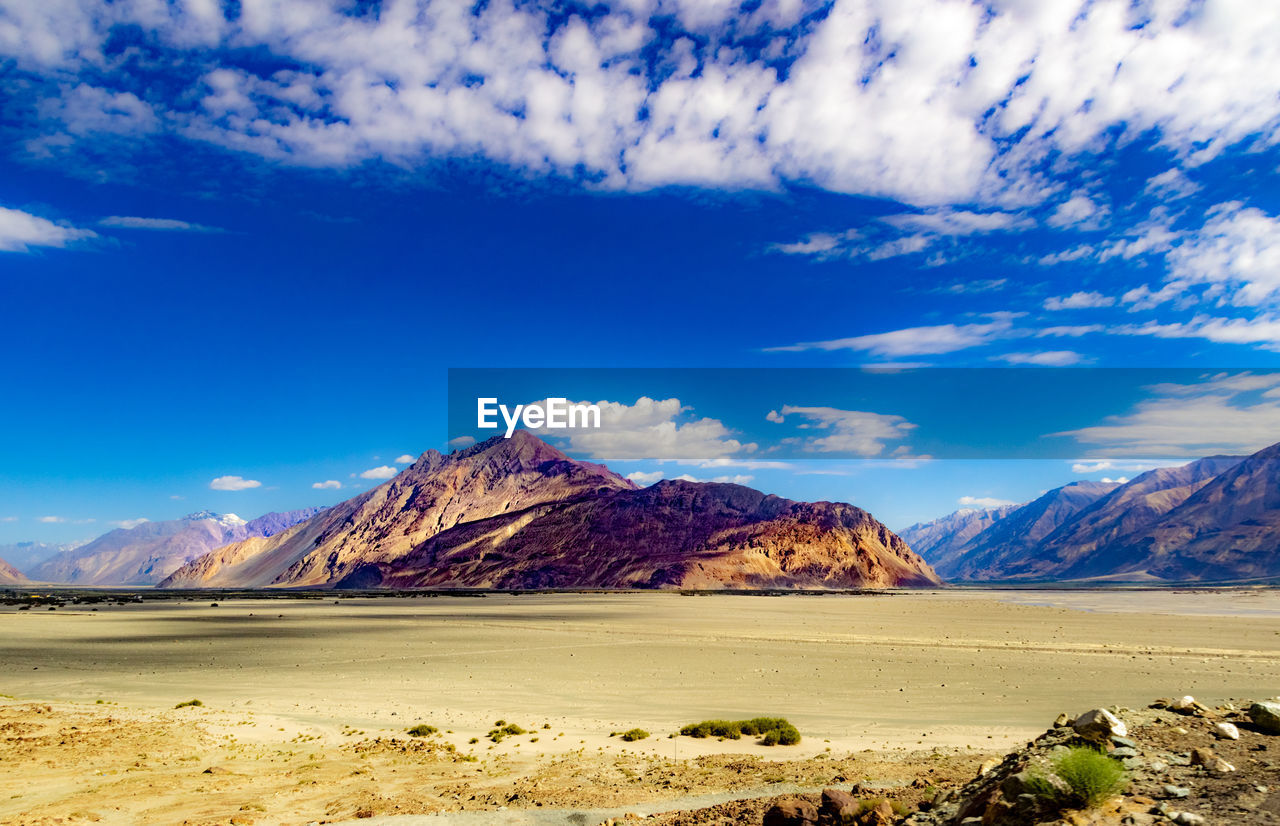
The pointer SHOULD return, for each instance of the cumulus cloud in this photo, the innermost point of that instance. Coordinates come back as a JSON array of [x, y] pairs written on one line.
[[938, 103], [330, 484], [1171, 185], [1079, 301], [1079, 211], [405, 459], [20, 231], [662, 429], [1224, 413], [856, 432], [983, 502], [1119, 480], [233, 483], [381, 472], [161, 224], [645, 478]]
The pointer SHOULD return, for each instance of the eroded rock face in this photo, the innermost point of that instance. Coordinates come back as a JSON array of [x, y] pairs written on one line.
[[517, 513], [10, 575], [1266, 716]]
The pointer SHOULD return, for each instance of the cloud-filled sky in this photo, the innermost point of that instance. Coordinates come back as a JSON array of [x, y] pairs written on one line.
[[241, 243]]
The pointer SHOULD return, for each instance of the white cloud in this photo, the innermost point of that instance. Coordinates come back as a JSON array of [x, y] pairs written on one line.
[[51, 520], [1171, 185], [925, 101], [20, 231], [1099, 465], [983, 502], [234, 483], [958, 222], [1079, 301], [661, 429], [129, 524], [405, 459], [903, 234], [330, 484], [1263, 331], [858, 432], [1079, 211], [1119, 480], [645, 479], [8, 519], [1236, 253], [1224, 413], [162, 224], [917, 341], [1047, 358], [732, 480], [381, 472], [461, 442]]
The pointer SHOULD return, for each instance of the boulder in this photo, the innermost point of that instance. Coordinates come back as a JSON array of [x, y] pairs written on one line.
[[1099, 724], [1266, 716], [1226, 731], [791, 811], [837, 807]]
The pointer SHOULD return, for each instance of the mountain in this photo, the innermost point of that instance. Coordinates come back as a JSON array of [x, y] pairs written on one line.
[[147, 553], [10, 575], [941, 537], [1228, 529], [27, 555], [1085, 545], [518, 513], [1003, 549], [1214, 519]]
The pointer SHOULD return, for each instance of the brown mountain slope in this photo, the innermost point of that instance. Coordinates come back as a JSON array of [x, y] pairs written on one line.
[[1228, 529], [10, 575], [1082, 547], [519, 513], [673, 534], [432, 495]]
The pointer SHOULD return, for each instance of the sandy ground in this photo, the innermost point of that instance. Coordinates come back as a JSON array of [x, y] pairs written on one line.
[[298, 693]]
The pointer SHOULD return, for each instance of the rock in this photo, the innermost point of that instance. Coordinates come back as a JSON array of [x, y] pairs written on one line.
[[1220, 766], [1185, 705], [1173, 791], [1187, 819], [837, 806], [1123, 752], [216, 770], [1266, 716], [1062, 722], [1226, 731], [791, 811], [880, 815], [1202, 757], [1124, 741], [988, 765], [1099, 724]]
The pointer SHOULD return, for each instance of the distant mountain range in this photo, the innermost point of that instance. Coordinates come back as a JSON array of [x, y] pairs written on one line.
[[25, 556], [1214, 519], [518, 513], [147, 553]]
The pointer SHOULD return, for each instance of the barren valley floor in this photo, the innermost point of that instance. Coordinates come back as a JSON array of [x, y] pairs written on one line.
[[306, 702]]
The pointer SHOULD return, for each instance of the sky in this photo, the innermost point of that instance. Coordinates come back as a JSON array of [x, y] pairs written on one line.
[[243, 243]]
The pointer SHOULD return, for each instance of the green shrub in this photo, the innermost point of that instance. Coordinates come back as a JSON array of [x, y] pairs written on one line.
[[422, 730], [772, 731], [634, 734], [189, 703], [506, 729], [1092, 776]]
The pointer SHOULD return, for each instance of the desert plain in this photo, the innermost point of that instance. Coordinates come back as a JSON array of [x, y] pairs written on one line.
[[306, 702]]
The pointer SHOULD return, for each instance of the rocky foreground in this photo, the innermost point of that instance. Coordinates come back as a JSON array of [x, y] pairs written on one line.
[[1182, 763]]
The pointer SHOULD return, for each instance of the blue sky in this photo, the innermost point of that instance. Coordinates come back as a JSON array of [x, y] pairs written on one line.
[[249, 239]]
